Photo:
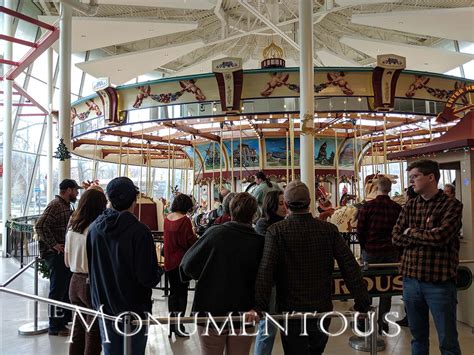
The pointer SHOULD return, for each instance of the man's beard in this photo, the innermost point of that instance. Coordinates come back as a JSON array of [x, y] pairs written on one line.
[[72, 199]]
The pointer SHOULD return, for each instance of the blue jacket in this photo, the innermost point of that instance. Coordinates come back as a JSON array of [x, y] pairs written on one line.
[[123, 266]]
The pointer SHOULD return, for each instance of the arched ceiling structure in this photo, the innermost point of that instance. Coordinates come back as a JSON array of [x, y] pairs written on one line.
[[193, 32]]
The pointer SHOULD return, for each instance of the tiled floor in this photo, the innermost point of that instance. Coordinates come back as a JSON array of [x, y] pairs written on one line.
[[15, 312]]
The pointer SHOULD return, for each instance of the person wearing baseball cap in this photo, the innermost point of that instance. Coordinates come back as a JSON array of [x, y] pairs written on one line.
[[302, 242], [123, 267], [51, 228]]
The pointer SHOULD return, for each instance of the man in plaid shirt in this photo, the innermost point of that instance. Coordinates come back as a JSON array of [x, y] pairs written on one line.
[[374, 229], [427, 231], [298, 257], [51, 229]]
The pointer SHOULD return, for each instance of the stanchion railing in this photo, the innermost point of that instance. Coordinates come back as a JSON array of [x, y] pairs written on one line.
[[21, 242], [127, 318]]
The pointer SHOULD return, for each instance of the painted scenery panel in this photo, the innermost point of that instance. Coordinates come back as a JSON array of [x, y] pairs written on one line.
[[197, 161], [346, 156], [324, 152], [211, 155], [275, 149], [250, 153]]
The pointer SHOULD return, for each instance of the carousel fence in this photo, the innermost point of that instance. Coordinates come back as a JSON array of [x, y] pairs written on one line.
[[22, 243], [350, 238]]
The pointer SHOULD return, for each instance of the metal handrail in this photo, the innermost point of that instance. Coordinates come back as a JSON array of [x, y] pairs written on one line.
[[127, 318], [369, 265], [58, 303]]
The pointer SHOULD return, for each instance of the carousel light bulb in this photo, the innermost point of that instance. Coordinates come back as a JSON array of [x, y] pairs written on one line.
[[214, 109], [359, 99], [199, 120]]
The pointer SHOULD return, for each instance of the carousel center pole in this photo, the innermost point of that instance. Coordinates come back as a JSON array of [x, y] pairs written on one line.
[[307, 97]]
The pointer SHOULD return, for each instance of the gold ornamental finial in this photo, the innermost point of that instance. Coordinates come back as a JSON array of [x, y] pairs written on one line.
[[272, 51]]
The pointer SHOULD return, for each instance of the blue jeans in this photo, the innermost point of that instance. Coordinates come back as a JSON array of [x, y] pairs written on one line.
[[441, 299], [115, 346], [59, 278], [263, 342]]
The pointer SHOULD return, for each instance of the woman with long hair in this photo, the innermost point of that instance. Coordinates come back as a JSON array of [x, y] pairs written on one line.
[[92, 203], [178, 237], [273, 211]]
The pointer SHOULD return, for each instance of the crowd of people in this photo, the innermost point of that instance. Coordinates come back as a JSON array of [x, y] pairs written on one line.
[[101, 256]]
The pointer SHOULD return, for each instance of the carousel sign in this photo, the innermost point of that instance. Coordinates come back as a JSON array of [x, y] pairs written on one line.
[[388, 282], [450, 111], [230, 76], [100, 84], [384, 80]]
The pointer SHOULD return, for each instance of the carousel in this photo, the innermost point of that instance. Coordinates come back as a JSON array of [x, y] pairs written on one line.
[[218, 129]]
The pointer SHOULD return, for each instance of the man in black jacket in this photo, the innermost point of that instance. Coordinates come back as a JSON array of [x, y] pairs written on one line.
[[123, 266], [298, 257]]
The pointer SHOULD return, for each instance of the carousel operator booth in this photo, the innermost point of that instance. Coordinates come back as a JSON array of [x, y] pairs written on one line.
[[219, 129]]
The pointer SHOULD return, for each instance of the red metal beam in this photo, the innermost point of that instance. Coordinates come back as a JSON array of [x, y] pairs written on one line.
[[25, 94], [43, 44], [9, 62], [26, 18], [17, 40]]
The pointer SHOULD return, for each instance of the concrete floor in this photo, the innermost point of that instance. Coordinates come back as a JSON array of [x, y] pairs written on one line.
[[15, 312]]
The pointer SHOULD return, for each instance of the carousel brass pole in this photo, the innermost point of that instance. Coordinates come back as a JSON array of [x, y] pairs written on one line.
[[221, 154], [361, 163], [240, 155], [431, 133], [213, 169], [141, 164], [128, 163], [356, 164], [173, 178], [372, 153], [402, 175], [287, 159], [194, 171], [120, 158], [168, 190], [336, 157], [231, 159], [94, 161], [149, 188], [292, 147], [385, 144]]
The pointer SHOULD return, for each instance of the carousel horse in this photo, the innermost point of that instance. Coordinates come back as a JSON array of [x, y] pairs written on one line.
[[370, 184], [345, 218]]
